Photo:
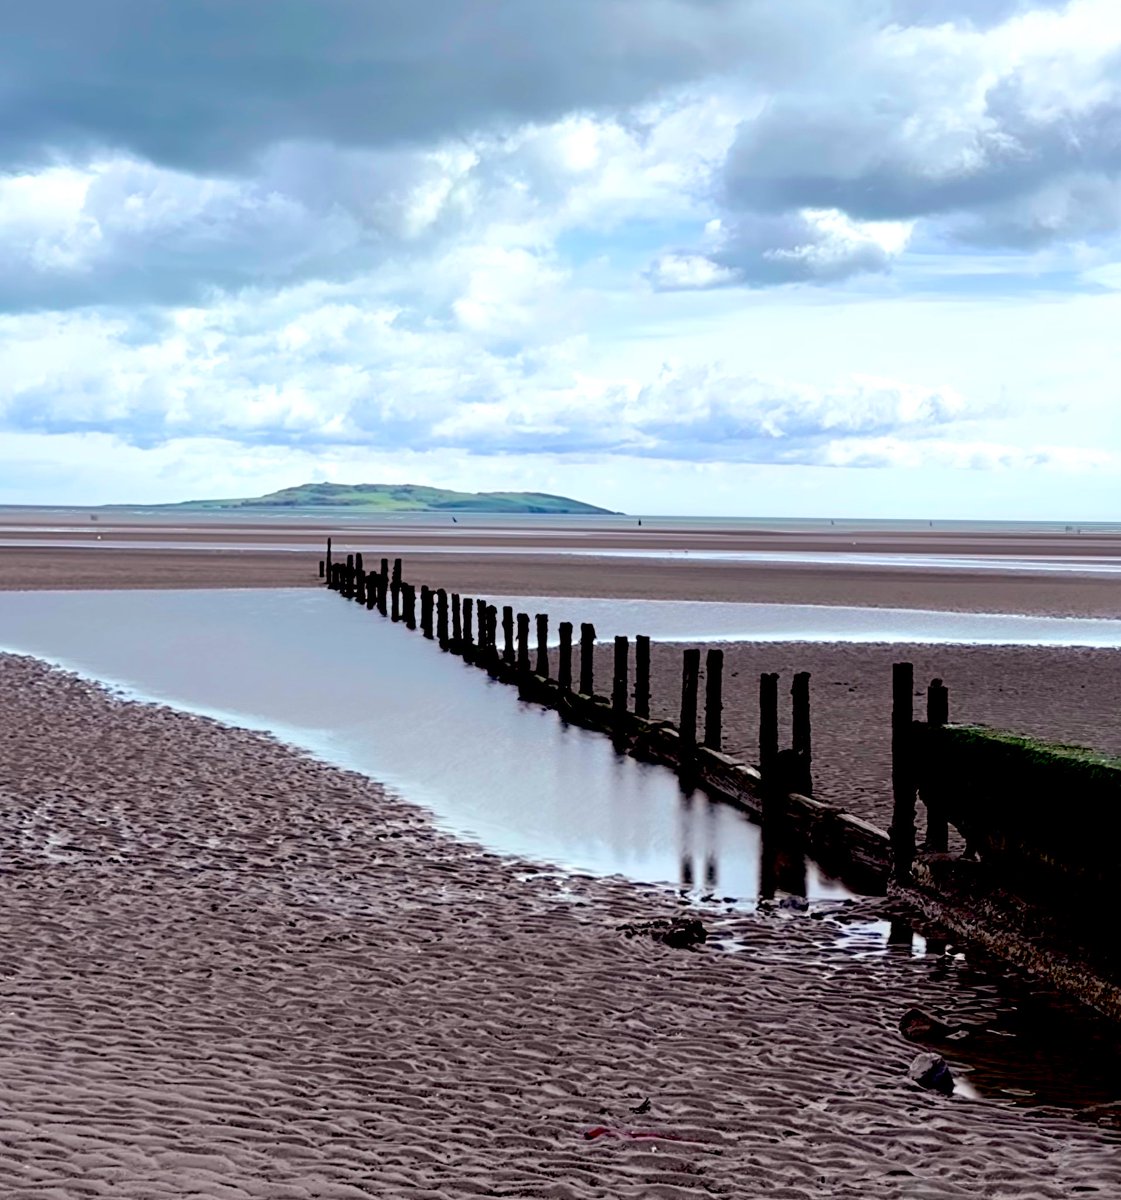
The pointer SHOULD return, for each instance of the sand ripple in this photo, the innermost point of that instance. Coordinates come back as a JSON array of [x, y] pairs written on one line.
[[227, 971]]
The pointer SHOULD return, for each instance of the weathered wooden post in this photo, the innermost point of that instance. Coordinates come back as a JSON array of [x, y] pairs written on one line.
[[468, 647], [322, 571], [456, 639], [564, 657], [508, 653], [937, 715], [768, 729], [489, 619], [800, 734], [523, 643], [620, 677], [690, 677], [348, 586], [328, 564], [371, 589], [542, 666], [426, 610], [360, 585], [442, 618], [395, 590], [383, 588], [587, 658], [410, 605], [902, 829], [642, 676], [714, 698]]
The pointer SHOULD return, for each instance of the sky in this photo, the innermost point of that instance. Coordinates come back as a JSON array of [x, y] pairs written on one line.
[[742, 257]]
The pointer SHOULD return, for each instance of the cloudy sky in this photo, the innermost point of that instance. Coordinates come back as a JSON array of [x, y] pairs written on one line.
[[773, 257]]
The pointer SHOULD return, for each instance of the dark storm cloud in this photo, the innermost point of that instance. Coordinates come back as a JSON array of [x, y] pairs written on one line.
[[205, 84]]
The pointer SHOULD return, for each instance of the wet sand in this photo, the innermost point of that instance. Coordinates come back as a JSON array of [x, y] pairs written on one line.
[[189, 559], [230, 972]]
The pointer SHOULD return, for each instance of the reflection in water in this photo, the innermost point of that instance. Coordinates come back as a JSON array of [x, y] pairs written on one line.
[[365, 694]]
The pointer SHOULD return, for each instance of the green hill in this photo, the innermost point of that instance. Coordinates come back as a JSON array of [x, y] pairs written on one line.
[[407, 497]]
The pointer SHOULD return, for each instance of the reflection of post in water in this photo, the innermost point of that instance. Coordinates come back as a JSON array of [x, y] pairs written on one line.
[[711, 877], [686, 812], [782, 856], [901, 933]]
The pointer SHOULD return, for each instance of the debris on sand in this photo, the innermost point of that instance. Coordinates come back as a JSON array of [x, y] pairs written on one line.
[[931, 1072], [682, 933]]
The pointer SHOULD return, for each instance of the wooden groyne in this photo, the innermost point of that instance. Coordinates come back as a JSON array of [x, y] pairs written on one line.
[[1021, 885], [515, 650]]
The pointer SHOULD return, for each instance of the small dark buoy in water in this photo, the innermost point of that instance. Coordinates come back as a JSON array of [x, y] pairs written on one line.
[[640, 520], [454, 521]]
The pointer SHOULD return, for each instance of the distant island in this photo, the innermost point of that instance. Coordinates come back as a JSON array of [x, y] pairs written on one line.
[[389, 497]]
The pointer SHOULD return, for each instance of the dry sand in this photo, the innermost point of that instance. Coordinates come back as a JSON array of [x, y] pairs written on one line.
[[229, 972]]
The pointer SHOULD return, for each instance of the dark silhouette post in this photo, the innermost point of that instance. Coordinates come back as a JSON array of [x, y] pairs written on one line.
[[768, 729], [410, 605], [426, 610], [690, 677], [800, 734], [322, 569], [348, 587], [587, 658], [360, 585], [383, 588], [542, 667], [523, 643], [620, 677], [508, 655], [468, 647], [328, 564], [937, 715], [714, 698], [442, 618], [395, 590], [457, 628], [642, 676], [564, 657], [902, 770]]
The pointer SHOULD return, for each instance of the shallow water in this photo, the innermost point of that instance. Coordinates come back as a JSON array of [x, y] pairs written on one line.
[[366, 694], [697, 621]]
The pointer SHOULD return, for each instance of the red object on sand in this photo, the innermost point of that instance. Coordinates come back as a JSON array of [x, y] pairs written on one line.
[[630, 1135]]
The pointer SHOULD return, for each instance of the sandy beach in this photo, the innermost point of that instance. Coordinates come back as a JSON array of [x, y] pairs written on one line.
[[231, 972], [43, 549]]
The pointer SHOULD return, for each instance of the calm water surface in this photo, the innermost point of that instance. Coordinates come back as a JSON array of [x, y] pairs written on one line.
[[368, 695]]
